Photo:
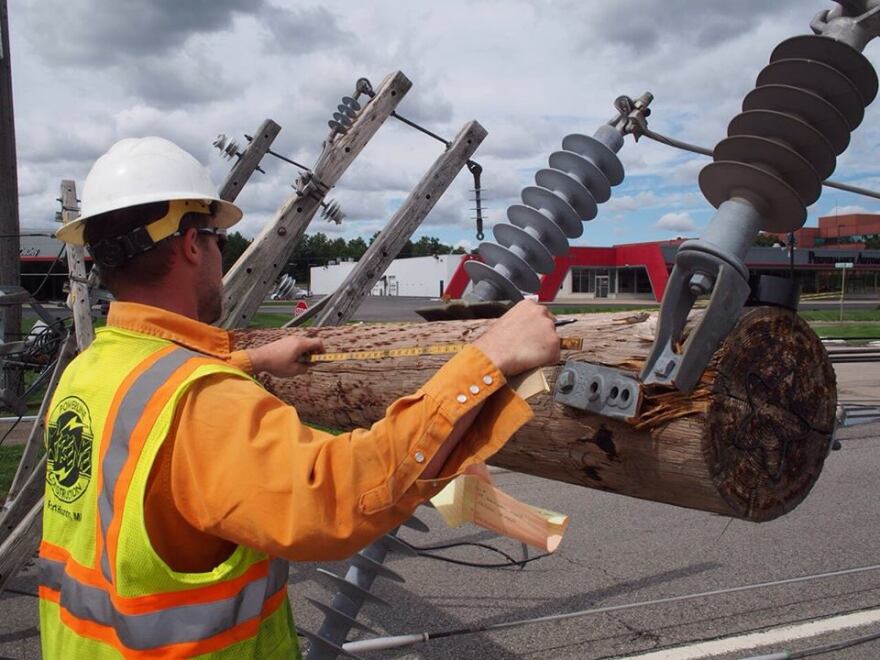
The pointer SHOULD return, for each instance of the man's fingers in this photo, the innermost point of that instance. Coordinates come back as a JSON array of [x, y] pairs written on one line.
[[312, 345]]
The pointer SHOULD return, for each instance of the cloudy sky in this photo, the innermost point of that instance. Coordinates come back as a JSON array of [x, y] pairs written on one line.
[[90, 72]]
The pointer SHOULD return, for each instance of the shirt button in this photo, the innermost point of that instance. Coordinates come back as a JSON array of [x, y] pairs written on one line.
[[420, 457], [474, 389], [488, 380], [461, 398]]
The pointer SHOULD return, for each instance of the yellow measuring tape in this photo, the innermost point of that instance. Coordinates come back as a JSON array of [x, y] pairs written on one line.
[[565, 343]]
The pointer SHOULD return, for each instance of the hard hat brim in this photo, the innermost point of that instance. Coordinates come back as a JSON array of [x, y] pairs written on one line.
[[227, 215]]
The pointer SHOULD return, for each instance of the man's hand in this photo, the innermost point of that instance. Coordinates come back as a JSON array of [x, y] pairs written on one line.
[[524, 338], [282, 358]]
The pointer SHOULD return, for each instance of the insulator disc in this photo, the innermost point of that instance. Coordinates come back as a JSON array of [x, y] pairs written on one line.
[[592, 149], [363, 562], [585, 170], [796, 133], [351, 103], [416, 523], [548, 232], [579, 197], [561, 211], [350, 589], [784, 209], [477, 271], [345, 120], [394, 544], [346, 110], [536, 254], [336, 126], [827, 82], [788, 163], [837, 54], [806, 105], [332, 613], [520, 273]]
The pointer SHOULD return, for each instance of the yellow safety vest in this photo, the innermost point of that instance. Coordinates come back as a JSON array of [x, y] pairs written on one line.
[[104, 592]]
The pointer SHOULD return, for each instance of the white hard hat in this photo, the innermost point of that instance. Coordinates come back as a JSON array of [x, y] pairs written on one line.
[[142, 170]]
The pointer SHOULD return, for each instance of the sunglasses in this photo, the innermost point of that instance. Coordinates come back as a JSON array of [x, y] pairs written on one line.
[[219, 234]]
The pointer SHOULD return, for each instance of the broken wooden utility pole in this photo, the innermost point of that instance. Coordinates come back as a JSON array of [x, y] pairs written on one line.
[[10, 244], [248, 161], [78, 300], [251, 278], [749, 442], [346, 299]]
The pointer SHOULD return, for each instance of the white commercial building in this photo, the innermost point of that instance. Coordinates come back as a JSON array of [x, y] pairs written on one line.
[[425, 277]]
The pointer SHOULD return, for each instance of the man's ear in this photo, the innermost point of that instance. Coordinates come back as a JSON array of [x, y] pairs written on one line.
[[191, 250]]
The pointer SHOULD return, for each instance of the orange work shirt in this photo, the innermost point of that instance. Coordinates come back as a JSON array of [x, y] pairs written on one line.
[[239, 467]]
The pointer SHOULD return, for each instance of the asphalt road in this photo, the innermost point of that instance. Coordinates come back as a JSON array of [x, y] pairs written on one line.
[[617, 551]]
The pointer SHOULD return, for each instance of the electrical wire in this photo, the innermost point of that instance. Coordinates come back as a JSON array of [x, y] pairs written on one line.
[[49, 272], [10, 430], [427, 551], [703, 151], [400, 641]]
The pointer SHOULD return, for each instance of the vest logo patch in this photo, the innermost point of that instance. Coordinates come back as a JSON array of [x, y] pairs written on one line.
[[69, 449]]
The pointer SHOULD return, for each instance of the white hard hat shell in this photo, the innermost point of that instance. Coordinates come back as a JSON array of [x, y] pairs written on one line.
[[142, 170]]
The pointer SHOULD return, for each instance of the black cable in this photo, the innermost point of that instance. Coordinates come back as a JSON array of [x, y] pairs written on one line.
[[10, 430], [512, 564], [426, 551], [49, 272]]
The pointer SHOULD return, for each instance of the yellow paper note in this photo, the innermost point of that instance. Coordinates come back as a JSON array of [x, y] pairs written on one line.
[[470, 498]]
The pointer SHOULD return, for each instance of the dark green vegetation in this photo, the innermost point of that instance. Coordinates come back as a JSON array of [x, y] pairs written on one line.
[[319, 250], [9, 458]]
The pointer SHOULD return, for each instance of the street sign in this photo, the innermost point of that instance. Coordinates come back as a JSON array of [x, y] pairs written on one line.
[[844, 264], [300, 309]]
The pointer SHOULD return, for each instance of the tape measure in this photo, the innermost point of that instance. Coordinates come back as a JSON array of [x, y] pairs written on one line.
[[565, 343]]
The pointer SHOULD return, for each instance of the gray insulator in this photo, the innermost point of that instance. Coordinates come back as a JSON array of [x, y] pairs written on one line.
[[353, 591], [346, 110], [795, 122], [345, 120], [351, 103], [337, 127], [228, 148], [332, 212], [565, 196]]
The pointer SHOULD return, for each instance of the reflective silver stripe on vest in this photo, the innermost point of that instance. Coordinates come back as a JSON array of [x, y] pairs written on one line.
[[129, 414], [174, 625]]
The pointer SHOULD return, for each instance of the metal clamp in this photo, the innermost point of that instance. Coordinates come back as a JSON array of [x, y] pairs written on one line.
[[598, 389]]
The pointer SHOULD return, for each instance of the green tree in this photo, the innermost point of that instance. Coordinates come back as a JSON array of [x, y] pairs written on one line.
[[356, 248], [235, 246], [767, 240]]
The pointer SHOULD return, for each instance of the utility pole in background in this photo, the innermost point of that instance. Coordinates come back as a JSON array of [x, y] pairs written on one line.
[[10, 315]]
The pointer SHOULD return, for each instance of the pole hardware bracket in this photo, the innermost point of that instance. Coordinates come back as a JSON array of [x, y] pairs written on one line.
[[598, 389]]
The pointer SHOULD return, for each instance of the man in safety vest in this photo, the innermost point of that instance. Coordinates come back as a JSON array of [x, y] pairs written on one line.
[[177, 488]]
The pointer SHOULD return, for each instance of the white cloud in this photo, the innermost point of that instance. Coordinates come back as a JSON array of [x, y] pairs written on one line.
[[848, 209], [465, 245], [89, 73], [676, 222]]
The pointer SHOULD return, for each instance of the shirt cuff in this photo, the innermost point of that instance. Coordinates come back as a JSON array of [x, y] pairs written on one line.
[[464, 382], [241, 360]]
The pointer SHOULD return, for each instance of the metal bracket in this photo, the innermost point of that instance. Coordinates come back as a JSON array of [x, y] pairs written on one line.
[[682, 368], [598, 389]]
